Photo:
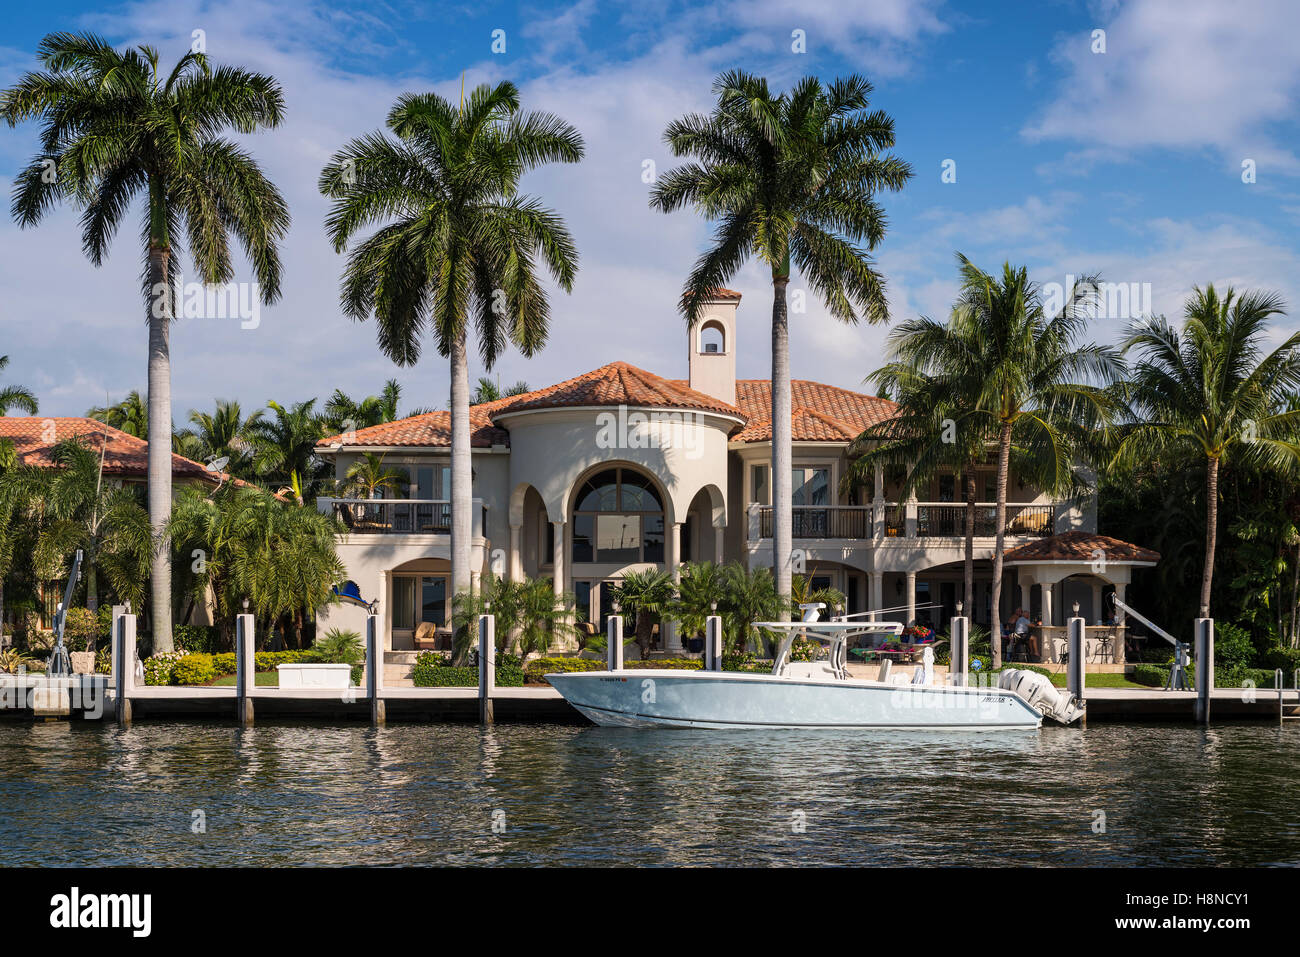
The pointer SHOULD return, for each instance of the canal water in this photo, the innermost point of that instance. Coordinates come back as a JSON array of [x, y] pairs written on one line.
[[201, 794]]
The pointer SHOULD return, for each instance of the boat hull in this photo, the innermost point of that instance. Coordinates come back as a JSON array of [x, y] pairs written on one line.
[[718, 700]]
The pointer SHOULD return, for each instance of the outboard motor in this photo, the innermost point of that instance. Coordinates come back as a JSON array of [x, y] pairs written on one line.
[[1039, 693]]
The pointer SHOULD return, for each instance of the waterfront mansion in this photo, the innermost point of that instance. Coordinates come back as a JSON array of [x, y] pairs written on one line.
[[620, 469]]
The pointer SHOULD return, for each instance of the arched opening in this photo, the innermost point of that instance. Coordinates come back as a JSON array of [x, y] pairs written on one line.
[[713, 338]]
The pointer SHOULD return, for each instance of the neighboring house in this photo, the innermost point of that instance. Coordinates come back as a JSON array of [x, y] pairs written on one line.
[[619, 469], [126, 463]]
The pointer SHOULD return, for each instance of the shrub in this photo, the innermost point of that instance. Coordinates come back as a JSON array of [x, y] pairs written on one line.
[[1288, 659], [81, 629], [434, 670], [744, 662], [682, 664], [1153, 676], [202, 638], [193, 669], [224, 664], [542, 666], [804, 649], [1233, 648], [158, 668], [267, 660]]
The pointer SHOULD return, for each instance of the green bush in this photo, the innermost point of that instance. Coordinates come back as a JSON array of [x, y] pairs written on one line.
[[1233, 647], [745, 661], [804, 649], [1153, 676], [193, 669], [202, 638], [1288, 659], [81, 628], [158, 668], [224, 663], [435, 670], [267, 660], [543, 666], [682, 664]]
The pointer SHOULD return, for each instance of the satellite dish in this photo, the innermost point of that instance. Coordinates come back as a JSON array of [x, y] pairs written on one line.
[[218, 465]]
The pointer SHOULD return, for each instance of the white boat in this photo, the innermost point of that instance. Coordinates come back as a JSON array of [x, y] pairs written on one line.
[[816, 694]]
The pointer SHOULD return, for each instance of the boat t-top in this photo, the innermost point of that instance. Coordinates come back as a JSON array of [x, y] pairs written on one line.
[[814, 694]]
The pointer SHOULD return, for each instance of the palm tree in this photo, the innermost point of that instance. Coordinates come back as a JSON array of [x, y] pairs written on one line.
[[527, 616], [1021, 377], [74, 509], [750, 595], [1210, 388], [131, 415], [789, 179], [488, 391], [116, 127], [15, 396], [284, 448], [343, 413], [457, 241], [644, 595], [368, 475], [223, 433]]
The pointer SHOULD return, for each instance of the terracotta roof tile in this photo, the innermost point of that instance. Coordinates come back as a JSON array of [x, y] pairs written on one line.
[[1082, 547], [820, 412], [124, 455], [617, 383]]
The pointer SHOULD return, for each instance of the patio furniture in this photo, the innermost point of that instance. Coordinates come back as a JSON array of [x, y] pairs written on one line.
[[426, 637]]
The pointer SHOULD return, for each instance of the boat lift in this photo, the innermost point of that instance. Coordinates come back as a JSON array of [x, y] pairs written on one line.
[[1178, 680], [59, 663]]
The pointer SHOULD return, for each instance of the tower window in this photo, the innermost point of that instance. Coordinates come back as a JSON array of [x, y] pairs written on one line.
[[713, 340]]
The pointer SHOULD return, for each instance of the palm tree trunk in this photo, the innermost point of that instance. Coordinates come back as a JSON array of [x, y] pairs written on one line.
[[1211, 531], [968, 564], [160, 439], [782, 454], [462, 493], [1000, 521], [1295, 594]]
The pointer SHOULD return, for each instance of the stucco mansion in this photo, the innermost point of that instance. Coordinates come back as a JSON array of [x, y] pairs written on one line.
[[619, 470]]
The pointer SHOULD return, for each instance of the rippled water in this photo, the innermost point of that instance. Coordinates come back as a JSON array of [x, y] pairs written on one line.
[[427, 794]]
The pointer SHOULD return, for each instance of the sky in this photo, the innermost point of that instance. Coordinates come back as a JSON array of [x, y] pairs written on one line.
[[1159, 151]]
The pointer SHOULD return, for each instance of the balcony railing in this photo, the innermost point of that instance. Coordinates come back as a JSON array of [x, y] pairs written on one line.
[[912, 520], [375, 516]]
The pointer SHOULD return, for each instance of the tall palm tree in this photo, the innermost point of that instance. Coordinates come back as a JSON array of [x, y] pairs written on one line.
[[117, 128], [486, 390], [130, 415], [223, 433], [643, 596], [15, 396], [284, 447], [790, 180], [1024, 378], [1211, 388], [456, 240]]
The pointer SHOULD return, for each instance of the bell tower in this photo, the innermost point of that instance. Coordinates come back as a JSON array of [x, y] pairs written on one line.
[[711, 347]]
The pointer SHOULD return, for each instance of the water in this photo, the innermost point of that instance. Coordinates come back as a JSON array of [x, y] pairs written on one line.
[[427, 794]]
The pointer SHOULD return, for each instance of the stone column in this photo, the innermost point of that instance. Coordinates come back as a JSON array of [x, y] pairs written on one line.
[[1047, 602], [1026, 595], [718, 557], [672, 641], [557, 558], [1097, 614], [877, 594], [911, 598], [515, 569]]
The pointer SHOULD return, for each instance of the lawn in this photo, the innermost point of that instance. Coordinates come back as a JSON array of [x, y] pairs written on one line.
[[1102, 680], [261, 679]]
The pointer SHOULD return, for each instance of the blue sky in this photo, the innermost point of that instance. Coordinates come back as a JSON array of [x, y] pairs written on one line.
[[1127, 162]]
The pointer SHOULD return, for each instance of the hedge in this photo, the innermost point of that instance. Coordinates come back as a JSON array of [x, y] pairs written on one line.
[[433, 670], [195, 669]]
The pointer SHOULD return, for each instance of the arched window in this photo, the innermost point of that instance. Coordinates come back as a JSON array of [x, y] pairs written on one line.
[[618, 519]]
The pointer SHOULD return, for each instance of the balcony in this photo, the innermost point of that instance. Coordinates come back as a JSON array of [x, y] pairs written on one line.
[[910, 520], [408, 516]]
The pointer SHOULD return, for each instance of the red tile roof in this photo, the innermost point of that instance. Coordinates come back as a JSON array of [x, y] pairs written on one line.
[[619, 383], [1080, 547], [34, 437], [819, 412]]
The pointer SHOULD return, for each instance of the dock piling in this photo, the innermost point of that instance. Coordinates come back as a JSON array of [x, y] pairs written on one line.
[[487, 667], [959, 650], [713, 643], [614, 643], [245, 669], [375, 672], [1076, 672], [1204, 668], [123, 652]]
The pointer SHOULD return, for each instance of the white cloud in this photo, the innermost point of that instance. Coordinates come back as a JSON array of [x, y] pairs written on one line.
[[1189, 75]]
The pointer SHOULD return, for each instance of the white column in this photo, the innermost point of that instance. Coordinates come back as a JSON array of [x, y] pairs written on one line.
[[1097, 614], [878, 492], [557, 558], [877, 594], [911, 597], [1047, 603], [717, 545], [515, 567], [386, 612], [909, 519], [1026, 595], [667, 629]]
